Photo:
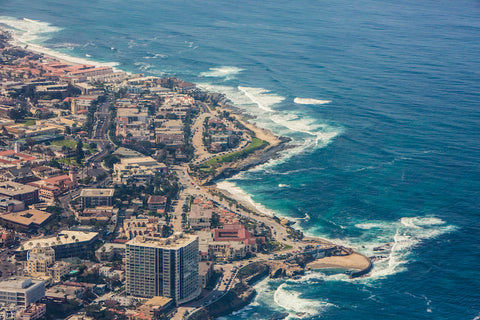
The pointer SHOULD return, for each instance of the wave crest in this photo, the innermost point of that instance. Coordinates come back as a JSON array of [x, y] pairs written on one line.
[[310, 101], [226, 72]]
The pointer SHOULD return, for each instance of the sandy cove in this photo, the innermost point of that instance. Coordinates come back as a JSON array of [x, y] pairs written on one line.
[[353, 261]]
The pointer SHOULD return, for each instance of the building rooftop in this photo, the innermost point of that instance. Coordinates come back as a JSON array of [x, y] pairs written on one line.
[[127, 153], [72, 237], [157, 199], [27, 218], [18, 283], [176, 241], [97, 192], [10, 188], [199, 211], [157, 301], [110, 246]]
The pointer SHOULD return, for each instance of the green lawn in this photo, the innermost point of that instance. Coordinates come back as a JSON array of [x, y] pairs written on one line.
[[253, 146], [28, 122], [71, 161], [68, 143]]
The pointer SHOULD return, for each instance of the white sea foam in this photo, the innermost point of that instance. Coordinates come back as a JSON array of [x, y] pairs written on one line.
[[409, 233], [241, 195], [27, 30], [394, 242], [261, 101], [143, 66], [322, 133], [368, 225], [310, 101], [263, 98], [282, 185], [32, 32], [291, 301], [226, 72], [156, 55]]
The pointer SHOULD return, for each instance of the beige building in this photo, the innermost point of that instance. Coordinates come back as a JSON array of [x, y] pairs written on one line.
[[81, 104], [138, 169], [39, 261], [92, 198], [58, 270], [155, 306], [200, 216]]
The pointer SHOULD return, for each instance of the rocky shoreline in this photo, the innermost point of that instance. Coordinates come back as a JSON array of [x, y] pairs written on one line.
[[243, 292]]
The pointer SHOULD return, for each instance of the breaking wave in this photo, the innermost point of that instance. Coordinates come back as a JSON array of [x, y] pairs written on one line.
[[33, 33], [226, 72], [310, 101]]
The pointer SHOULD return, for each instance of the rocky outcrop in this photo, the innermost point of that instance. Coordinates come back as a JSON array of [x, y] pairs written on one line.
[[235, 299], [279, 269]]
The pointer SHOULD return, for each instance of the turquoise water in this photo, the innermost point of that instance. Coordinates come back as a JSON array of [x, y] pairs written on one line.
[[381, 101]]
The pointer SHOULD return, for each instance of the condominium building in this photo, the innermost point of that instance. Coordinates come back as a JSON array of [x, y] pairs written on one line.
[[39, 261], [27, 194], [92, 198], [66, 244], [163, 267], [200, 216], [138, 169], [21, 291]]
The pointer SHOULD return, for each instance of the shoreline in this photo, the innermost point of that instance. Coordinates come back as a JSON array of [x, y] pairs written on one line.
[[276, 144], [52, 54]]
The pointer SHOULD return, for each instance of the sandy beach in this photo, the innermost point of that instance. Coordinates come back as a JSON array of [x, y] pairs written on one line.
[[353, 261]]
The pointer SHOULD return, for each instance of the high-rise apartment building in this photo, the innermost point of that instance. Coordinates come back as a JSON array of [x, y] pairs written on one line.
[[163, 267]]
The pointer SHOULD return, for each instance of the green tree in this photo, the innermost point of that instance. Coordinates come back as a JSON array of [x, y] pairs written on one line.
[[80, 154]]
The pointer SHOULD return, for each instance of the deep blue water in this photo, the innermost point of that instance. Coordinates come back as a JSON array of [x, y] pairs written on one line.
[[387, 153]]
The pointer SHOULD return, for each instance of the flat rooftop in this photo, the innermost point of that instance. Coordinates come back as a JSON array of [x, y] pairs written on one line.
[[18, 284], [97, 192], [198, 211], [10, 188], [64, 237], [27, 217], [157, 301], [176, 241]]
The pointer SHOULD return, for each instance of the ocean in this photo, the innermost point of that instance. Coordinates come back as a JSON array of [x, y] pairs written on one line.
[[381, 101]]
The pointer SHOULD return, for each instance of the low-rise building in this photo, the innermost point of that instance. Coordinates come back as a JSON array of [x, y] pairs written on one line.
[[109, 250], [58, 270], [92, 198], [81, 104], [200, 216], [102, 213], [157, 202], [66, 244], [44, 172], [50, 188], [13, 158], [21, 291], [32, 312], [143, 226], [10, 205], [27, 194], [26, 220], [139, 169], [20, 175], [205, 272], [39, 261], [155, 306]]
